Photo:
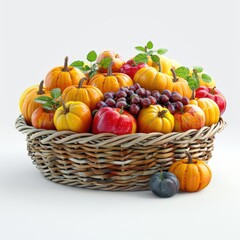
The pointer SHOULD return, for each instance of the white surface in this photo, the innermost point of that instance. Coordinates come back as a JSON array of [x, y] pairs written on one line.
[[35, 37]]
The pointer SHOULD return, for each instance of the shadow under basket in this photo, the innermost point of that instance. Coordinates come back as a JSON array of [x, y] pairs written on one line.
[[111, 162]]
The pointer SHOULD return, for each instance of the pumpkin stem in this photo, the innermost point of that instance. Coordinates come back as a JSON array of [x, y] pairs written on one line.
[[109, 71], [81, 82], [189, 158], [175, 79], [193, 95], [65, 109], [162, 113], [161, 175], [159, 66], [212, 90], [145, 48], [65, 68], [40, 90]]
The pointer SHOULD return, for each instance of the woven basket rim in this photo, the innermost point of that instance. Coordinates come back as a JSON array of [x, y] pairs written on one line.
[[109, 139]]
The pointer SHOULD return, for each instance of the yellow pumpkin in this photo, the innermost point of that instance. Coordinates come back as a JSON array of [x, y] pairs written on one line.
[[27, 105], [73, 116], [110, 82], [87, 94], [155, 119], [149, 78], [193, 174], [63, 76], [210, 109]]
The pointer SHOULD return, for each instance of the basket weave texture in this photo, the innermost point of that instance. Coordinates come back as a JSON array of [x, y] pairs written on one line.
[[110, 162]]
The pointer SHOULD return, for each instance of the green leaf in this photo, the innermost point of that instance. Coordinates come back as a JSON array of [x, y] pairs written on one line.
[[198, 69], [56, 93], [48, 106], [77, 64], [92, 73], [161, 51], [149, 45], [193, 82], [206, 78], [150, 53], [92, 56], [140, 58], [105, 62], [86, 68], [42, 99], [139, 48], [182, 72], [155, 58]]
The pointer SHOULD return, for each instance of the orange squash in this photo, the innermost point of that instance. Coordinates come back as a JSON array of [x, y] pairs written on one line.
[[110, 82], [27, 104], [73, 116], [193, 174], [210, 109], [87, 94], [63, 76]]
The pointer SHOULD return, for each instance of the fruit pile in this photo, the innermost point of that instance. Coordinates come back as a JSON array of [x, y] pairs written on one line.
[[104, 94]]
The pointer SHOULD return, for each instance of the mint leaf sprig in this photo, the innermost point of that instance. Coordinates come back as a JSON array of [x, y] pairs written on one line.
[[146, 51], [93, 66], [50, 103], [192, 79]]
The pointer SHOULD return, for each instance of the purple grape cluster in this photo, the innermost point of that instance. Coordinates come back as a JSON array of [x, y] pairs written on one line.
[[134, 98]]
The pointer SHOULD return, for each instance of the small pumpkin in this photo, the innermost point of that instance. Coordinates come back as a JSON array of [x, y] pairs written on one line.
[[151, 79], [155, 118], [74, 116], [110, 82], [164, 184], [87, 94], [63, 76], [27, 104], [210, 109], [193, 174]]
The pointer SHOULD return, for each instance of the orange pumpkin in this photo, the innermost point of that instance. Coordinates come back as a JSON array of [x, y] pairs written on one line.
[[73, 116], [43, 119], [110, 82], [27, 104], [210, 109], [63, 76], [149, 78], [155, 119], [193, 174], [87, 94]]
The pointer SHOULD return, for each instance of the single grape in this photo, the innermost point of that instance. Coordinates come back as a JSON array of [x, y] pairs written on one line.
[[148, 93], [164, 98], [122, 99], [156, 94], [153, 100], [110, 102], [178, 106], [137, 86], [135, 99], [185, 101], [134, 109], [123, 89], [141, 92], [130, 93], [108, 95], [175, 96], [121, 104], [167, 93], [101, 104], [145, 102], [132, 88], [120, 94], [171, 108]]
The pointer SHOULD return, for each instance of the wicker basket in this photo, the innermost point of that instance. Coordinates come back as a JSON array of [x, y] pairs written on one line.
[[110, 162]]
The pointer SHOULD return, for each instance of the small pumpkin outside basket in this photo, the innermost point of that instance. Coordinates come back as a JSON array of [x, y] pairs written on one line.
[[111, 162]]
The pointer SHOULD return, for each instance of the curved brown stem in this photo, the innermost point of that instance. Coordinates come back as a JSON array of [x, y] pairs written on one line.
[[162, 113], [193, 95], [159, 66], [109, 71], [40, 90], [65, 109], [212, 90], [65, 68], [175, 79], [81, 82], [189, 158]]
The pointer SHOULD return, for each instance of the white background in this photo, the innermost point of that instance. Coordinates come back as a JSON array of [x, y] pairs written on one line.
[[35, 37]]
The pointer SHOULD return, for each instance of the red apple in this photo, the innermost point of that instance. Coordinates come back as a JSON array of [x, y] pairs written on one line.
[[214, 94], [130, 68], [116, 59], [113, 120], [189, 117]]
